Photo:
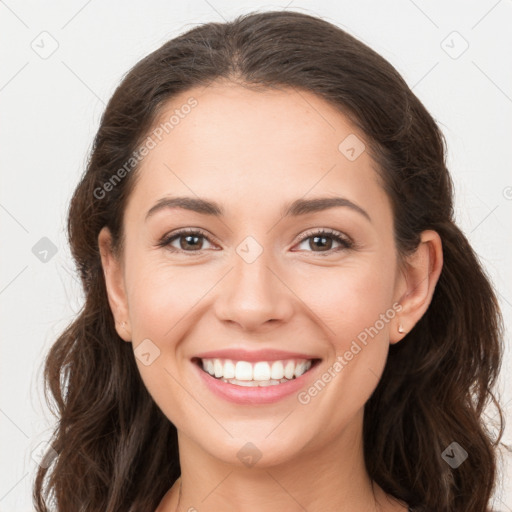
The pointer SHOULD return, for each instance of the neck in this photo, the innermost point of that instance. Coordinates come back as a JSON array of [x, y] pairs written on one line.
[[332, 478]]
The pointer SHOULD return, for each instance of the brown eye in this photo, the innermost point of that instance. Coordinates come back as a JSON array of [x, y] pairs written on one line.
[[190, 242], [322, 241], [187, 241]]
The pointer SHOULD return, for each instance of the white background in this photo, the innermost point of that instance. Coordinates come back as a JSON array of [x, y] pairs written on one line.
[[51, 109]]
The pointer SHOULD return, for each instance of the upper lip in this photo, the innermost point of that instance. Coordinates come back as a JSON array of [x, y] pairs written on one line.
[[253, 355]]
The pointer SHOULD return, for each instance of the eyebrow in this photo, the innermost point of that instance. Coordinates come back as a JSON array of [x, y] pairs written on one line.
[[296, 208]]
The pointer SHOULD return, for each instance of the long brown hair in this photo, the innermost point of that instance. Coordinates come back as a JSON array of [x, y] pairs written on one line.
[[116, 449]]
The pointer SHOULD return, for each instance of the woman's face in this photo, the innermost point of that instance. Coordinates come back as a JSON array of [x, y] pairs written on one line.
[[249, 281]]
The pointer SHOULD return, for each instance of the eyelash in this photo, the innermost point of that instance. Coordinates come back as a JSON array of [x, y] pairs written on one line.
[[344, 241]]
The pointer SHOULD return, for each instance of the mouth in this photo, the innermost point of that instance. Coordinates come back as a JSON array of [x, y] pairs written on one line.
[[257, 373]]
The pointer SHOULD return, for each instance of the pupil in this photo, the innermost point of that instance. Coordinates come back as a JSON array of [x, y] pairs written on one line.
[[323, 244], [189, 238]]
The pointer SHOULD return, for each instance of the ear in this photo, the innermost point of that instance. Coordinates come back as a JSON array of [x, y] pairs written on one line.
[[114, 281], [416, 284]]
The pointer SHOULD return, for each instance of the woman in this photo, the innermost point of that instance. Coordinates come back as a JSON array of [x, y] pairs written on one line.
[[281, 313]]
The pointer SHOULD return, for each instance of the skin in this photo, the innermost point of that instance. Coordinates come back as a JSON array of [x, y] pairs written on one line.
[[253, 152]]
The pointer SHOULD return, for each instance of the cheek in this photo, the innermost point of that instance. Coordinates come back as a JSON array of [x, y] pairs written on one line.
[[163, 300], [350, 299], [162, 295], [355, 307]]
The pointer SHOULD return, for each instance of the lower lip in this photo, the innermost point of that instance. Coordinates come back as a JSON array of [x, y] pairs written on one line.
[[257, 394]]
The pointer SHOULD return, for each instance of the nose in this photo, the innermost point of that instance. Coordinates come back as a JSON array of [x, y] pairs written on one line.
[[253, 295]]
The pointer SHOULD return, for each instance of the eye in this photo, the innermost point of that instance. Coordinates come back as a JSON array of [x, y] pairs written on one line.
[[192, 240], [323, 239], [188, 240]]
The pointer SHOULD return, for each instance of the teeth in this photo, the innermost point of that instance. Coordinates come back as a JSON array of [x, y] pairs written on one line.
[[228, 371], [300, 369], [217, 368], [289, 370], [260, 373], [209, 366], [277, 370], [243, 370], [255, 383]]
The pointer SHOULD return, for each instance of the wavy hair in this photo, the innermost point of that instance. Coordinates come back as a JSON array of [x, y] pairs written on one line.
[[117, 451]]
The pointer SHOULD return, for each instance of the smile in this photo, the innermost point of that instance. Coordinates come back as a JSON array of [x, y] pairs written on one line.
[[255, 374]]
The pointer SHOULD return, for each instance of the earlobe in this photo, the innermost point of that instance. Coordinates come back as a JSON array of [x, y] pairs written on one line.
[[114, 282], [417, 283]]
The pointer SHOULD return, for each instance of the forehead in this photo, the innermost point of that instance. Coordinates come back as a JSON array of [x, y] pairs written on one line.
[[247, 147]]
